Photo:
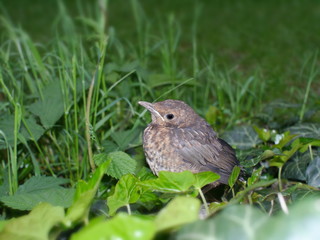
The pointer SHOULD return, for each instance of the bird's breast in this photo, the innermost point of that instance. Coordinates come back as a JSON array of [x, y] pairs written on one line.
[[159, 147]]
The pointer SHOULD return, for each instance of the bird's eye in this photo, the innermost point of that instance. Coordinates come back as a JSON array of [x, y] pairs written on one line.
[[170, 116]]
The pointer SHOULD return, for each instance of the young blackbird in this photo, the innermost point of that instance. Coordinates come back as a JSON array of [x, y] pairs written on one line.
[[178, 139]]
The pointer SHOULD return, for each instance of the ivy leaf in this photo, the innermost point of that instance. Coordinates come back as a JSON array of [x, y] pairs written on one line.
[[243, 137], [126, 192], [307, 130], [34, 226], [179, 211], [233, 222], [170, 182], [204, 178], [121, 226], [313, 172], [234, 176], [296, 167]]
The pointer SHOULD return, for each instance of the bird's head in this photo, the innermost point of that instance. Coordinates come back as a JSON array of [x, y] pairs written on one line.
[[172, 113]]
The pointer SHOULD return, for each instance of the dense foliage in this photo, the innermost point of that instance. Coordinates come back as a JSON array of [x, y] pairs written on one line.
[[72, 164]]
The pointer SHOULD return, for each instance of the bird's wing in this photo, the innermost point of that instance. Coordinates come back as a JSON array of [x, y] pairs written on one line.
[[203, 150]]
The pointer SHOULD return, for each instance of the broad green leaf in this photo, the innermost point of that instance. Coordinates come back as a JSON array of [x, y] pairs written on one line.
[[122, 227], [307, 143], [279, 161], [50, 108], [31, 125], [264, 134], [145, 174], [179, 211], [243, 137], [304, 193], [85, 192], [120, 163], [307, 130], [57, 196], [313, 172], [170, 182], [302, 222], [40, 189], [6, 125], [126, 138], [34, 226], [234, 222], [41, 182], [234, 176], [204, 178], [296, 167], [126, 192]]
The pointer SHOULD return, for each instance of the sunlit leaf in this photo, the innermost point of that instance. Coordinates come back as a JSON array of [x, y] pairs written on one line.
[[170, 182], [34, 226], [179, 211], [204, 178], [234, 176], [126, 192], [85, 192], [121, 226]]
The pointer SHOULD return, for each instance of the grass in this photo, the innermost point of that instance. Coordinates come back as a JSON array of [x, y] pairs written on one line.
[[69, 93]]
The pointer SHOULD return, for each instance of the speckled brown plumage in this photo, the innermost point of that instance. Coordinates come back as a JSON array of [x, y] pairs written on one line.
[[178, 139]]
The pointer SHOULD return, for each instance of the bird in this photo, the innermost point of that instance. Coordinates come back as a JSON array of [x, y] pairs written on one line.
[[178, 139]]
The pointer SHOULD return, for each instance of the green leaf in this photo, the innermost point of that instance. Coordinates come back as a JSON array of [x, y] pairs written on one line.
[[296, 167], [204, 178], [120, 164], [126, 138], [6, 125], [234, 176], [170, 182], [50, 108], [40, 183], [307, 130], [121, 226], [302, 222], [241, 194], [34, 226], [255, 176], [126, 192], [85, 193], [31, 125], [40, 189], [313, 173], [285, 138], [264, 134], [234, 222], [57, 196], [243, 137], [179, 211]]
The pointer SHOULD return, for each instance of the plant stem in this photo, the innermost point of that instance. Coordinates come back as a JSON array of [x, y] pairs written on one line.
[[279, 179], [87, 115], [128, 209], [204, 201]]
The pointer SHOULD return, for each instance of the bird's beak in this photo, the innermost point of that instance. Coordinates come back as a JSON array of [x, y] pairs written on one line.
[[150, 107]]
